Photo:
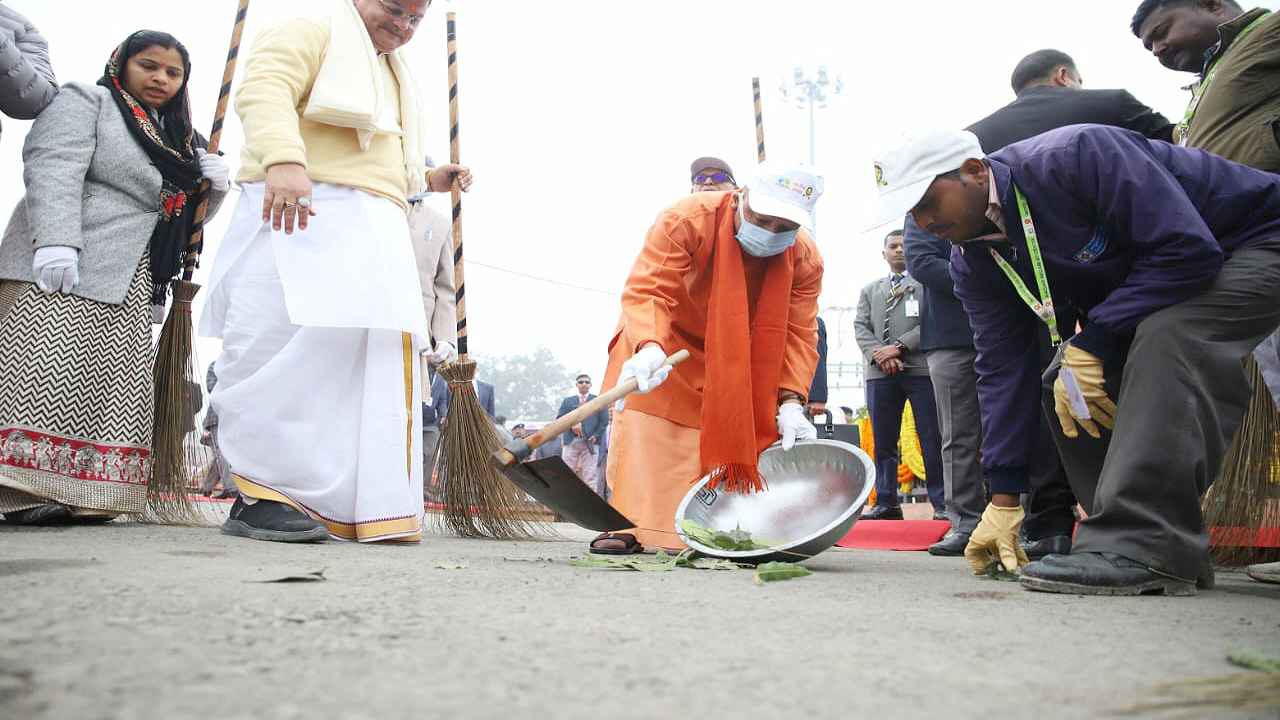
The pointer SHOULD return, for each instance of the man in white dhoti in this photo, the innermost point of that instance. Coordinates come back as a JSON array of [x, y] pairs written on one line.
[[314, 290]]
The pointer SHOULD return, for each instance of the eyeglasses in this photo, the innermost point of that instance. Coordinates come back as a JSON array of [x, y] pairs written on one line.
[[713, 179], [584, 382], [398, 13]]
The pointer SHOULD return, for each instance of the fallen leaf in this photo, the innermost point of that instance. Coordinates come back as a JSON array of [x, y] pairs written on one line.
[[316, 576], [775, 571]]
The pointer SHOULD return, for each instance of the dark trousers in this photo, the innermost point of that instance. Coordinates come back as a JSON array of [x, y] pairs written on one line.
[[886, 399], [1180, 394]]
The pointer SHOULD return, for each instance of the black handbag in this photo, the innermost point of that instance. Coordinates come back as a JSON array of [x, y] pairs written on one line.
[[829, 430]]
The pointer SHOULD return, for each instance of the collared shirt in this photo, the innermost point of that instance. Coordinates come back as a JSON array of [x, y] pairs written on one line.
[[995, 211]]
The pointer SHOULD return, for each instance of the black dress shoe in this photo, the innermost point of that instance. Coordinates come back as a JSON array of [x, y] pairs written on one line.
[[273, 522], [883, 512], [1052, 545], [1091, 573], [952, 545], [47, 514]]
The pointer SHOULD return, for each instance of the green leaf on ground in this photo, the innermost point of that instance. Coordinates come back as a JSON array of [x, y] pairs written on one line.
[[776, 571], [1249, 661], [996, 571]]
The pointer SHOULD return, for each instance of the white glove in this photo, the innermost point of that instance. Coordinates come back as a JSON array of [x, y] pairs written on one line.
[[649, 369], [214, 169], [445, 352], [56, 268], [793, 425]]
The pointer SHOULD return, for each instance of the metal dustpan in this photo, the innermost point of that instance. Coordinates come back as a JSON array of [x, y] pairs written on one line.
[[552, 483], [816, 492]]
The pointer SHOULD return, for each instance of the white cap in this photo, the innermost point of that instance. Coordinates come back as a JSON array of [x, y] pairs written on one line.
[[787, 193], [904, 173]]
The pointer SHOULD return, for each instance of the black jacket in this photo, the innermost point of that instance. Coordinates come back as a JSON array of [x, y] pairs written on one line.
[[943, 323], [818, 392]]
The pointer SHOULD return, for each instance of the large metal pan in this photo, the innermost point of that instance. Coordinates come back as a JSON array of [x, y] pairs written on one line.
[[816, 492]]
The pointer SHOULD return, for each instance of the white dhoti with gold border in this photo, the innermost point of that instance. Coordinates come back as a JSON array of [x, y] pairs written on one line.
[[319, 387]]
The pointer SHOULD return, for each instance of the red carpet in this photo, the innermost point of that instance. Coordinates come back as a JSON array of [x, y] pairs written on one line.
[[895, 534]]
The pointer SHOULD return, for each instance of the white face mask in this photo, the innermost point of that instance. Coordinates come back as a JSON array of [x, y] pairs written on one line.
[[758, 241]]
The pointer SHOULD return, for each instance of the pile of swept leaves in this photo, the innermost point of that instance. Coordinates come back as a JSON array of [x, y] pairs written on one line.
[[733, 540], [663, 562]]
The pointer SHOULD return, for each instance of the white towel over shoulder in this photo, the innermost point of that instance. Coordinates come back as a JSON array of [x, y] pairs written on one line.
[[349, 90]]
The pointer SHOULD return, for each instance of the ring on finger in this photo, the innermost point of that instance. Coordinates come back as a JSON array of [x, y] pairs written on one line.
[[304, 202], [290, 204]]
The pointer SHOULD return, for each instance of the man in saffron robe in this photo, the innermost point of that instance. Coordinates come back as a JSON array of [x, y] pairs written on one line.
[[733, 278]]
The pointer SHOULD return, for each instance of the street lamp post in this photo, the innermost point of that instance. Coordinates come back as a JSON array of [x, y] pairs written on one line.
[[813, 93]]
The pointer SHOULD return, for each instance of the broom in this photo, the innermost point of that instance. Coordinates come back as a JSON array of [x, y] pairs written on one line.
[[1243, 500], [755, 88], [478, 500], [174, 370]]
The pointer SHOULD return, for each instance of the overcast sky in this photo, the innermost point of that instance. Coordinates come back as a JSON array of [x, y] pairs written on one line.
[[580, 119]]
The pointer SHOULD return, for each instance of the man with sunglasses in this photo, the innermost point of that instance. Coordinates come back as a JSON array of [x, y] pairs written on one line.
[[711, 174], [582, 443], [315, 292]]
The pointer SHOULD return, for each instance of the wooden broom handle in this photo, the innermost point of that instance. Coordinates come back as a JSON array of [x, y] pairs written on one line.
[[562, 425], [455, 157], [192, 258]]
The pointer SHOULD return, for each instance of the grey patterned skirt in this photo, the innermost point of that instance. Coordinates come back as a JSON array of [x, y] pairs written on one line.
[[76, 398]]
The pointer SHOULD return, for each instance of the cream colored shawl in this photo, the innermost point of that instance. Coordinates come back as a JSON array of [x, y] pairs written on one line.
[[350, 92]]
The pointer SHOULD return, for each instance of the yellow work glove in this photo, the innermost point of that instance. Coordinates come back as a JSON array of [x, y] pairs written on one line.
[[1092, 407], [996, 540]]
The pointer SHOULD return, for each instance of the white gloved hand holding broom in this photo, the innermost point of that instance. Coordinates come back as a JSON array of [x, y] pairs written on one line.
[[648, 367]]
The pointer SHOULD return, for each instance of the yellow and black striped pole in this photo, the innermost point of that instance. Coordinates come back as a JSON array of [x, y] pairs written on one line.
[[755, 87], [192, 257]]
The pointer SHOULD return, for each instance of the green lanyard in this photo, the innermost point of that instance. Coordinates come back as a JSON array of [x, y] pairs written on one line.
[[1183, 131], [1043, 306]]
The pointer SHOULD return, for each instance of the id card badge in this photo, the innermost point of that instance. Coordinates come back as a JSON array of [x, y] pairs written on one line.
[[913, 307]]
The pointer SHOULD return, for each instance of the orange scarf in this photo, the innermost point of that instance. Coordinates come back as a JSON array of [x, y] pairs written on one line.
[[744, 353]]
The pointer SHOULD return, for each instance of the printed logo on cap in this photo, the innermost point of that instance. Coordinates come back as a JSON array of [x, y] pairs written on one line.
[[880, 181], [787, 183]]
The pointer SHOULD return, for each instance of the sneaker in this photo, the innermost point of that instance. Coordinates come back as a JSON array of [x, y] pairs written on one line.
[[273, 522]]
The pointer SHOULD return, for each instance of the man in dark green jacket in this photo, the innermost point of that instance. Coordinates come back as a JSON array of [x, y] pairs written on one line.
[[1234, 112]]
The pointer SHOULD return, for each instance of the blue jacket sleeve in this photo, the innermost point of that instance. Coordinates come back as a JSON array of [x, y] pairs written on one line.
[[1007, 365], [1142, 206], [927, 261]]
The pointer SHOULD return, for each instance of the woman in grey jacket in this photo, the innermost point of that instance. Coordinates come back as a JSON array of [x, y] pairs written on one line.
[[27, 84], [114, 173]]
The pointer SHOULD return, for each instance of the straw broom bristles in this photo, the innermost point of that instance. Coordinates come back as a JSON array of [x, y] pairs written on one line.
[[1198, 697], [172, 460], [479, 501], [1244, 497]]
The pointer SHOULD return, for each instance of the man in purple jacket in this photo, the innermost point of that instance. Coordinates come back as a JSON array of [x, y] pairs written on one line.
[[1172, 258]]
